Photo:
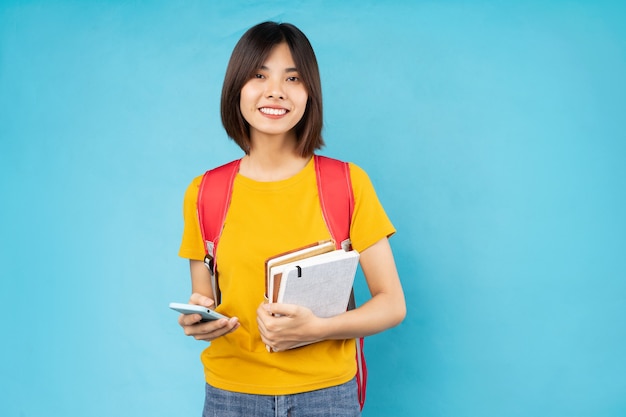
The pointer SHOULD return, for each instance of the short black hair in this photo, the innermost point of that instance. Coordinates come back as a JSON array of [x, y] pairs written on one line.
[[248, 56]]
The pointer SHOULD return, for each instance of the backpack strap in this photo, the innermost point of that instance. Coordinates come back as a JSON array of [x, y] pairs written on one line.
[[336, 198], [334, 187], [216, 189]]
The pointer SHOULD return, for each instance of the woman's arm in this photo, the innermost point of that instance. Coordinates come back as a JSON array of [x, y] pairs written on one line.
[[202, 294], [384, 310]]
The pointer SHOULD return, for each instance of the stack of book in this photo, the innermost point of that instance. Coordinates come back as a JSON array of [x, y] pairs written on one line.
[[317, 276]]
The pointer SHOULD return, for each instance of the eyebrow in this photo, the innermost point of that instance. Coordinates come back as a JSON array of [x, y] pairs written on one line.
[[289, 69]]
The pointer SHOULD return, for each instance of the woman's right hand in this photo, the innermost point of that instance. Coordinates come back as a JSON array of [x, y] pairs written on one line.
[[209, 330]]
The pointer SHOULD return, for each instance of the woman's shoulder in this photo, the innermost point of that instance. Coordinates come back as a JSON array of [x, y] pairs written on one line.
[[358, 175], [356, 171], [195, 182], [191, 193]]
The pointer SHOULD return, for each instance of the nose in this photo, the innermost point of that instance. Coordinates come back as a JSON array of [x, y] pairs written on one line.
[[274, 90]]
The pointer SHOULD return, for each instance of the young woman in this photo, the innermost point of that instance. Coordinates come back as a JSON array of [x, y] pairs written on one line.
[[272, 108]]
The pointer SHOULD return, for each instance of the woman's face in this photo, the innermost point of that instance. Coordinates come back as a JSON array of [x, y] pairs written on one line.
[[274, 100]]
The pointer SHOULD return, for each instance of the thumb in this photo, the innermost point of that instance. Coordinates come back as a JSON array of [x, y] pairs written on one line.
[[279, 309], [201, 300]]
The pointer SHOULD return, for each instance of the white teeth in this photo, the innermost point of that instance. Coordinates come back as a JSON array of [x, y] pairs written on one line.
[[273, 112]]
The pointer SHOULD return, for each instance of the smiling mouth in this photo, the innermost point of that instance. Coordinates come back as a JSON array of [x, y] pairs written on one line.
[[273, 112]]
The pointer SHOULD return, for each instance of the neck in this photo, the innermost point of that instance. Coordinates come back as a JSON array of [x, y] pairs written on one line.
[[264, 143], [272, 157], [261, 165]]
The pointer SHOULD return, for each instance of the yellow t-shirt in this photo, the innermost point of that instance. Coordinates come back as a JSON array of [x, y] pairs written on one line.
[[265, 219]]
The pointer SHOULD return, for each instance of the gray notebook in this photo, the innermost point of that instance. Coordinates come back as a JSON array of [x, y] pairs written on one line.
[[322, 283]]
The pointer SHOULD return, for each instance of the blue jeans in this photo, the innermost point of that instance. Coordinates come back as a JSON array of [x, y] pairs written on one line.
[[339, 401]]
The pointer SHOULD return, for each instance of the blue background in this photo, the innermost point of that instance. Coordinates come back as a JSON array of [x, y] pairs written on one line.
[[494, 133]]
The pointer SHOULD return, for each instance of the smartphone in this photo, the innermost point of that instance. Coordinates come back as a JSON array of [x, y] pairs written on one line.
[[206, 313]]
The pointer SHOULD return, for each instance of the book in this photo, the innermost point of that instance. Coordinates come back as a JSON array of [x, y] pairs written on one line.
[[321, 282], [307, 251]]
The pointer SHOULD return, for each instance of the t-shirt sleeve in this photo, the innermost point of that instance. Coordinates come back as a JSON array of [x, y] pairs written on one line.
[[369, 220], [191, 246]]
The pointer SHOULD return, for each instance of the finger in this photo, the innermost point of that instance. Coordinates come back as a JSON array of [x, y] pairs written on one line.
[[267, 336], [267, 341], [212, 329], [260, 325], [231, 325], [266, 321], [282, 310], [210, 336], [201, 300], [264, 309], [189, 319], [235, 327]]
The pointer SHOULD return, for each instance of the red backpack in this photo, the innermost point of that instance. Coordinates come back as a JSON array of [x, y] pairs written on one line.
[[336, 199]]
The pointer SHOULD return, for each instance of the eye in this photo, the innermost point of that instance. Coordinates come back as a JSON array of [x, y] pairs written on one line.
[[260, 76], [293, 79]]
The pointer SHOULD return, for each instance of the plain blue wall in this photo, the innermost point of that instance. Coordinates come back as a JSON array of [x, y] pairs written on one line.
[[493, 132]]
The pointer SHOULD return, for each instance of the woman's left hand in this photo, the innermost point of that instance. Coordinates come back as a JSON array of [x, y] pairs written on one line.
[[283, 326]]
